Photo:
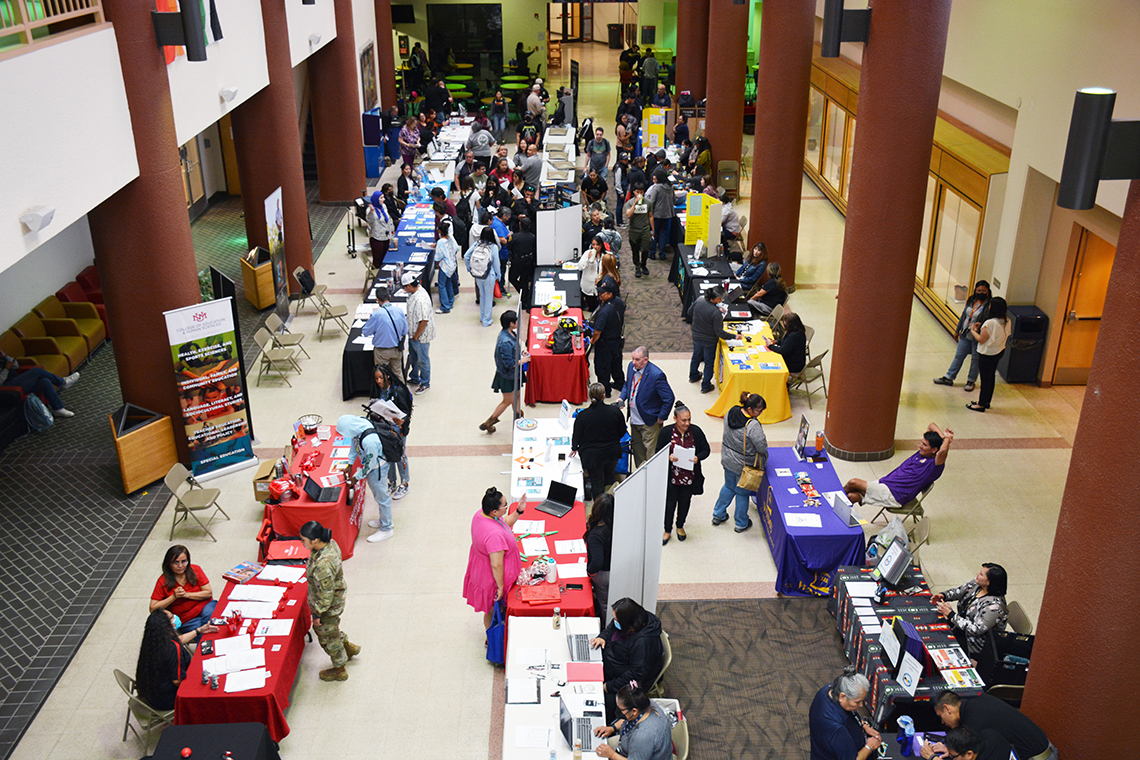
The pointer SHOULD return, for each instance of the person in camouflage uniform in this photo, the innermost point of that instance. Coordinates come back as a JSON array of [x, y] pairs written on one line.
[[326, 598]]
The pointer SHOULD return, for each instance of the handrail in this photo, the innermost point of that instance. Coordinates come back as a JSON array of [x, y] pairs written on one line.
[[28, 20]]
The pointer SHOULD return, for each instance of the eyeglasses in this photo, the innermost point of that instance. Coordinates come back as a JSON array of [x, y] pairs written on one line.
[[180, 562], [951, 756]]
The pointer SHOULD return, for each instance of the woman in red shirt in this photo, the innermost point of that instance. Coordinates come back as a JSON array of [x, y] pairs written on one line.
[[184, 590]]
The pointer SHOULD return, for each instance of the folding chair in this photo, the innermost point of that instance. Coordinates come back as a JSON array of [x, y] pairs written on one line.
[[1018, 620], [282, 337], [370, 271], [190, 497], [658, 687], [912, 509], [311, 295], [919, 535], [774, 317], [809, 332], [274, 359], [811, 372], [329, 312], [147, 717]]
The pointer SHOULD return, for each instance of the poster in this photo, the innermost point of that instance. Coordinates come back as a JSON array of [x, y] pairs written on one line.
[[211, 389], [368, 76], [275, 231]]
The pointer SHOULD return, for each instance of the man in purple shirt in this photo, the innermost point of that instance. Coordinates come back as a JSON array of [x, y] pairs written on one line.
[[910, 478]]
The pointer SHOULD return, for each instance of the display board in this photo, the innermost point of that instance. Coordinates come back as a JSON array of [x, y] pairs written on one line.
[[654, 122], [559, 234], [639, 513], [702, 220], [275, 229]]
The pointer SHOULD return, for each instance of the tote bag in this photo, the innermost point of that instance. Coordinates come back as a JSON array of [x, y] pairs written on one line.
[[497, 634], [750, 476]]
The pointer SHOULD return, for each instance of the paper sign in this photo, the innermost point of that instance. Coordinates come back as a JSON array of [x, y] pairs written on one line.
[[783, 472], [909, 673], [684, 457], [890, 644], [803, 520], [535, 545]]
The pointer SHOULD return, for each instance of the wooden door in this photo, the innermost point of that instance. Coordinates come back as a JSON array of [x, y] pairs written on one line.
[[1084, 307], [193, 183]]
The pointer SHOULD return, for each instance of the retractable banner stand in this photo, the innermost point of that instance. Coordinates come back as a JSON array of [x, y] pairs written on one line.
[[215, 406], [639, 517], [275, 227]]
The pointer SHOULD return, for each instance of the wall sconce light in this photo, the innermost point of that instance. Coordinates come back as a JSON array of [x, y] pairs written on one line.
[[182, 27], [37, 217], [1098, 148], [315, 39], [841, 25], [227, 94]]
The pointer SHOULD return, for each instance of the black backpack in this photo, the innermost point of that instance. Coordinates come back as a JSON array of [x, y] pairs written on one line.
[[561, 342], [391, 441], [306, 281]]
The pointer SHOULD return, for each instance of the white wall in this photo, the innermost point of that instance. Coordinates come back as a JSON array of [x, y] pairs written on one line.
[[364, 31], [45, 270], [236, 60], [304, 20], [67, 139], [604, 15]]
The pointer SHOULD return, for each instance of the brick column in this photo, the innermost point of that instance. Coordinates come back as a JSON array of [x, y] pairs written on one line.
[[692, 46], [727, 61], [385, 55], [337, 131]]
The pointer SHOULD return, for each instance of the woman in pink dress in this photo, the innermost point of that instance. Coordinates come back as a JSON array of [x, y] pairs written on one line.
[[493, 564]]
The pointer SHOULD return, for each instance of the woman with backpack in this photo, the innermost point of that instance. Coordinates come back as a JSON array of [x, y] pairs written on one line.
[[482, 260], [447, 257], [390, 387], [369, 448]]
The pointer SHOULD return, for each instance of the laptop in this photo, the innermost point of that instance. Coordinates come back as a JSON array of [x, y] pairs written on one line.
[[579, 646], [579, 728], [316, 493], [842, 508], [559, 501]]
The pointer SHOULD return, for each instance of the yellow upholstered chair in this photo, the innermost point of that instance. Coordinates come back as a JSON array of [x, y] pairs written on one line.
[[85, 315], [62, 337]]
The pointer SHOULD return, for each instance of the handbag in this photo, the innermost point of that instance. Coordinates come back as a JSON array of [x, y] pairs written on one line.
[[497, 634], [750, 477]]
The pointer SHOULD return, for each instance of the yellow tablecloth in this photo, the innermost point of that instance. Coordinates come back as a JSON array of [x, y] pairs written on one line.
[[769, 383]]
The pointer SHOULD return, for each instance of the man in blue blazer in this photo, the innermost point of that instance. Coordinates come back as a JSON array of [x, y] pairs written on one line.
[[650, 402]]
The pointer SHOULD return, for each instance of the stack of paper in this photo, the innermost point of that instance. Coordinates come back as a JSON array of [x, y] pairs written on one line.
[[246, 680], [535, 545], [522, 527], [572, 546], [257, 593], [250, 610], [283, 573]]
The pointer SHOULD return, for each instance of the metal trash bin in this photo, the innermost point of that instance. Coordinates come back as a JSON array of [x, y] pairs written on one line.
[[1026, 345]]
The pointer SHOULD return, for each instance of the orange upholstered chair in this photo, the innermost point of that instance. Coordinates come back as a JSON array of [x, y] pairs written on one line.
[[83, 314], [41, 351], [63, 334], [73, 292]]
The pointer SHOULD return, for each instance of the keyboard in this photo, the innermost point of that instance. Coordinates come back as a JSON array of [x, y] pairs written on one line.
[[584, 731], [580, 647]]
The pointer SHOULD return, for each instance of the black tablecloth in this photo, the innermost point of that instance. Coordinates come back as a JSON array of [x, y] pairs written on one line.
[[690, 285], [247, 741], [572, 288]]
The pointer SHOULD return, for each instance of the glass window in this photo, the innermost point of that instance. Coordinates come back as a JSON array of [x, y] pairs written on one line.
[[833, 155], [953, 267], [815, 128], [850, 153], [927, 220]]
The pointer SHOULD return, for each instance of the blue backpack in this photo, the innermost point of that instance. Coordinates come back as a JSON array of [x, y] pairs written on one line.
[[37, 414]]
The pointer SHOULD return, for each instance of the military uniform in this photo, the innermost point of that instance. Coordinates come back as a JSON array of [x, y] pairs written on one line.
[[326, 600]]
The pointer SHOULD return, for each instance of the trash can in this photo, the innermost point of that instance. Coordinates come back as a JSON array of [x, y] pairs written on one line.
[[1026, 345], [615, 36]]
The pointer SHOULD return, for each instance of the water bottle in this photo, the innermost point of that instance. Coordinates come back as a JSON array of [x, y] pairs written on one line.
[[557, 620], [577, 749], [819, 441], [551, 571]]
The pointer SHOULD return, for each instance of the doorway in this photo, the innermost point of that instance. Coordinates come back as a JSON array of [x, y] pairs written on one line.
[[193, 181], [570, 21], [1083, 309]]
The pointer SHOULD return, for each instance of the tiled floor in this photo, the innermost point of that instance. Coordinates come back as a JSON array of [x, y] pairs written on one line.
[[998, 501]]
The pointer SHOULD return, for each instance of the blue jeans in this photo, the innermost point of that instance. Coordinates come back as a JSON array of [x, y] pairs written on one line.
[[727, 492], [498, 125], [39, 380], [661, 229], [201, 620], [380, 493], [703, 352], [447, 291], [400, 468], [486, 288], [421, 362], [966, 345]]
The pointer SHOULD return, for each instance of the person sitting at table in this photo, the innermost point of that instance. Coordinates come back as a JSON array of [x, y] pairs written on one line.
[[373, 469], [389, 386], [910, 478], [589, 264], [793, 344], [184, 589], [750, 272], [662, 99], [742, 443], [684, 482], [327, 589], [599, 538], [608, 273], [163, 660], [594, 188], [981, 607], [965, 744], [598, 430], [730, 227], [390, 202], [837, 731], [493, 563], [644, 731], [986, 711], [771, 294], [700, 159], [708, 329], [631, 650]]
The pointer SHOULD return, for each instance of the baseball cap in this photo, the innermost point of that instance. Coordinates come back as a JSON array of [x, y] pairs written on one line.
[[407, 279], [538, 81]]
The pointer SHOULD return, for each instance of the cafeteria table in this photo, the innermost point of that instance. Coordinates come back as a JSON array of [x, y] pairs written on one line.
[[554, 377], [752, 368], [514, 86], [806, 556], [247, 741], [197, 703], [514, 78], [342, 518], [458, 78]]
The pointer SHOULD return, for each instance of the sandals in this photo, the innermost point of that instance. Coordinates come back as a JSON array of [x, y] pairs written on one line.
[[974, 406]]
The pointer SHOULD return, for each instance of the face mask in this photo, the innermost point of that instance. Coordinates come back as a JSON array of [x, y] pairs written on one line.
[[617, 624], [177, 623]]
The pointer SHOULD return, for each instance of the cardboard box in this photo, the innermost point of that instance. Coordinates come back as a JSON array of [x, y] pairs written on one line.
[[262, 478]]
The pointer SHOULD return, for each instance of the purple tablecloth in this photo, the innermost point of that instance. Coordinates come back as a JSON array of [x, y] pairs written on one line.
[[806, 558]]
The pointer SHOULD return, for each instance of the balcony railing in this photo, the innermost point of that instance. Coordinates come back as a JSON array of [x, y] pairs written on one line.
[[25, 23]]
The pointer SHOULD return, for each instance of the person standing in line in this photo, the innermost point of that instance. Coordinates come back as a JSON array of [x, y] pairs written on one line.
[[380, 228], [482, 260], [609, 324], [650, 67], [599, 538], [661, 199], [650, 399], [991, 337], [327, 589], [499, 115], [501, 224], [638, 212], [482, 144], [837, 730], [975, 312], [388, 386], [388, 327], [447, 258], [684, 482], [422, 323], [598, 150], [598, 430], [523, 258], [506, 346], [742, 443], [708, 329]]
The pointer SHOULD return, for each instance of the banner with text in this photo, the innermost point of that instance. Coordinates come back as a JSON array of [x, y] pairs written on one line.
[[210, 385]]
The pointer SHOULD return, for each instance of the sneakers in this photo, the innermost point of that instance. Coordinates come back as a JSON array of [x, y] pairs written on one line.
[[738, 530], [637, 271], [719, 520], [373, 523], [969, 387], [401, 492], [62, 413], [421, 389], [943, 381], [380, 535], [69, 381]]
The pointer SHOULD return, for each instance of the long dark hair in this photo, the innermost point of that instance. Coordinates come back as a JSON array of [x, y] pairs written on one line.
[[998, 308], [632, 616], [168, 575], [602, 513], [151, 670]]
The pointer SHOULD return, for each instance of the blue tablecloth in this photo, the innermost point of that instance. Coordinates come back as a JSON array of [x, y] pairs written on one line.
[[806, 557]]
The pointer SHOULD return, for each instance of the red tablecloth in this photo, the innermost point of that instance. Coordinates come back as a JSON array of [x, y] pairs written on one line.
[[342, 518], [574, 602], [551, 377], [198, 703]]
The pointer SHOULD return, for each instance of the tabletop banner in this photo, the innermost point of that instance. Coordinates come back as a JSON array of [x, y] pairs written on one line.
[[210, 385]]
